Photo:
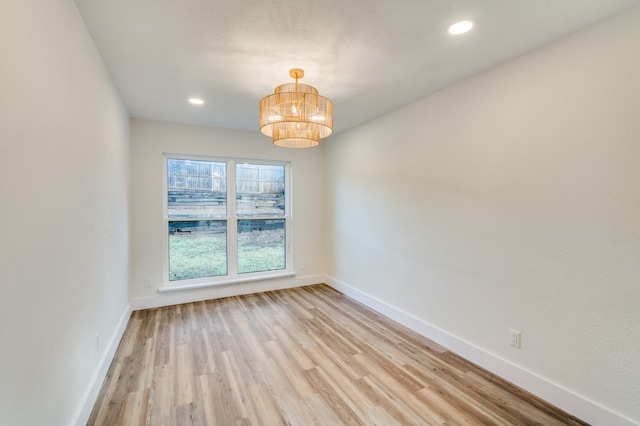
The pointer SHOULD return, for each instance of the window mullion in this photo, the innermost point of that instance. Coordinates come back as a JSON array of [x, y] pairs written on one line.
[[232, 220]]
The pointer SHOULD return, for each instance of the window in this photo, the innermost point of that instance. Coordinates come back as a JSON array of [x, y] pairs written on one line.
[[226, 220]]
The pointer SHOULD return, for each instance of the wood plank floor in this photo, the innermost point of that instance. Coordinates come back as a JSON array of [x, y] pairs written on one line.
[[302, 356]]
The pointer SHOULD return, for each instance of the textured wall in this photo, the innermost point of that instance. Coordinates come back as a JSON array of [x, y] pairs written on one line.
[[512, 200], [64, 212]]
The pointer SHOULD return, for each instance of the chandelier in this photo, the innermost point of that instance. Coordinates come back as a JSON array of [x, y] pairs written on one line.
[[296, 116]]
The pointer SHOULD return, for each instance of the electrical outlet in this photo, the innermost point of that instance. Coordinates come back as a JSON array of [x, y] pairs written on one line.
[[514, 338], [148, 282]]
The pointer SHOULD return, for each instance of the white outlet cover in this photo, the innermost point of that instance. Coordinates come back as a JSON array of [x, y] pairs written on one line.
[[514, 338]]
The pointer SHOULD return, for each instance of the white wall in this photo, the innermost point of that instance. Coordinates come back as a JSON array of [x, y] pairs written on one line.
[[510, 200], [64, 213], [150, 139]]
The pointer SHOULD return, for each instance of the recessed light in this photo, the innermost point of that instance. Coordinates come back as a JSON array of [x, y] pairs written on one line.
[[460, 27], [196, 101]]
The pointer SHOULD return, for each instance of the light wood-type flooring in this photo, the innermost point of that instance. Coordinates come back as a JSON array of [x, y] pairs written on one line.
[[302, 356]]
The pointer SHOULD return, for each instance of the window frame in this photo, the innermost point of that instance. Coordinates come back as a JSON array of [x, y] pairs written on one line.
[[232, 218]]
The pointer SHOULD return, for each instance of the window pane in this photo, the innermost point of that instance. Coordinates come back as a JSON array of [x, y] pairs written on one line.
[[259, 190], [197, 249], [196, 189], [261, 245]]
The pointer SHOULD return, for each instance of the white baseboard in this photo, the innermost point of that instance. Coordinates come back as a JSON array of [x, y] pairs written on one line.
[[565, 399], [89, 399], [553, 393], [197, 295]]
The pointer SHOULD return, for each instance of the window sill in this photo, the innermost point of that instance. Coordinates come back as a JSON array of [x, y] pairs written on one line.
[[179, 287]]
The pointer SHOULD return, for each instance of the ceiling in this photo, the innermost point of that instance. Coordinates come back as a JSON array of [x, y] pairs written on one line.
[[368, 56]]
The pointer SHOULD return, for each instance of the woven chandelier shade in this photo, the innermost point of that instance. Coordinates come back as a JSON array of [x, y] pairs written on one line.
[[295, 115]]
